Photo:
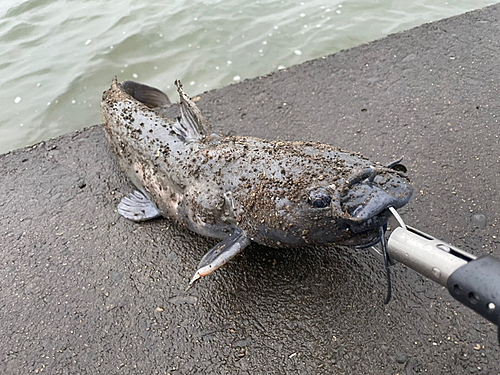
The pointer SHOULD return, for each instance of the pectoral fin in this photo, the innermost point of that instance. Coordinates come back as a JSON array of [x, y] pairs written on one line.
[[220, 254], [137, 207]]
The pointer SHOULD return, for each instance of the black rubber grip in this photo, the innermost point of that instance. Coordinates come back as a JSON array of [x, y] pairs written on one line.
[[477, 285]]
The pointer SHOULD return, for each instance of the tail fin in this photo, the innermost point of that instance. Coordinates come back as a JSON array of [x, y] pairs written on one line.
[[147, 95]]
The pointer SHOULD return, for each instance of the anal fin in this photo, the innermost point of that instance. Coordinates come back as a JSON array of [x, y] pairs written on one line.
[[137, 207]]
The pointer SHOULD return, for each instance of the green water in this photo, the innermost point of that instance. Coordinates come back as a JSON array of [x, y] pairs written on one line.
[[59, 56]]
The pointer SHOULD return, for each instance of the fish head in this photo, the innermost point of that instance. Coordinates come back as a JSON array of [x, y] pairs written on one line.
[[358, 206], [347, 212]]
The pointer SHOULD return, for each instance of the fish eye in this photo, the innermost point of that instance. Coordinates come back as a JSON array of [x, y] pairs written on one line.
[[319, 198]]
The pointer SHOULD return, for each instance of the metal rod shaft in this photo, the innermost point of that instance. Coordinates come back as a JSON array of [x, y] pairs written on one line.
[[425, 254]]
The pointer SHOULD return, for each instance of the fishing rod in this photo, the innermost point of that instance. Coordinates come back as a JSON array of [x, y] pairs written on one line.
[[472, 281]]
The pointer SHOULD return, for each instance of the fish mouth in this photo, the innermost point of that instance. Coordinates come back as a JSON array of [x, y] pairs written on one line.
[[369, 197]]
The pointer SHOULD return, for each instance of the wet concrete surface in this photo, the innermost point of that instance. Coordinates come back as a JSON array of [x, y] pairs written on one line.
[[83, 290]]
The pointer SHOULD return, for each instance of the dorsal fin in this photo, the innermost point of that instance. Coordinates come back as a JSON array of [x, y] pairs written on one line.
[[192, 122], [150, 96]]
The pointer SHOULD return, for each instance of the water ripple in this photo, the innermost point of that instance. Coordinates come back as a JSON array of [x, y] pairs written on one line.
[[59, 55]]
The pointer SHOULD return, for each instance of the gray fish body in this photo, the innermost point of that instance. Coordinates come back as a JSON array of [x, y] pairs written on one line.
[[275, 193]]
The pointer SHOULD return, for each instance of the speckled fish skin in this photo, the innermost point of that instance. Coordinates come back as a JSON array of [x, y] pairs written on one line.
[[215, 184]]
